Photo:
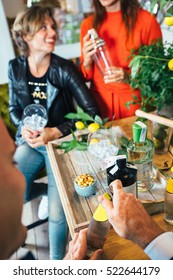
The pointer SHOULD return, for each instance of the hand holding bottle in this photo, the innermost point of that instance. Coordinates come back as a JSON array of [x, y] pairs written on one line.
[[115, 75], [78, 248], [88, 51], [128, 216]]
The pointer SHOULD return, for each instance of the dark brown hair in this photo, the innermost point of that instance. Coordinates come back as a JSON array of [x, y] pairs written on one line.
[[29, 21], [129, 9]]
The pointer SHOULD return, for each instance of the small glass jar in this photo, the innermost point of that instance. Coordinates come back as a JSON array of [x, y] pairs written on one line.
[[161, 137]]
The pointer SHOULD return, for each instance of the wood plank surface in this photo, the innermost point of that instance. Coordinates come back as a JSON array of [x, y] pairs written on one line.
[[117, 248]]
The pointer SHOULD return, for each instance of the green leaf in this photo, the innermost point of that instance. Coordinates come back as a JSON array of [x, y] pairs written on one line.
[[85, 117], [64, 144], [153, 5], [79, 110], [98, 120], [81, 146], [134, 64], [104, 121], [72, 116]]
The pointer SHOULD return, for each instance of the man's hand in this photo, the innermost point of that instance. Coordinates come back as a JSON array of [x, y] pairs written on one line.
[[78, 248], [128, 216]]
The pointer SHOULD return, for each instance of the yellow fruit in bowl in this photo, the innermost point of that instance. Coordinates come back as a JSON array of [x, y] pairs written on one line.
[[168, 21], [80, 125], [170, 64], [94, 140], [93, 127]]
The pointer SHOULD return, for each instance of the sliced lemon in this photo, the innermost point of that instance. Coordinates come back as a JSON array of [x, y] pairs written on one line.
[[100, 213], [94, 140]]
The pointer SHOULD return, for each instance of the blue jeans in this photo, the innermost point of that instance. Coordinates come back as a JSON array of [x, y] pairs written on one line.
[[30, 161]]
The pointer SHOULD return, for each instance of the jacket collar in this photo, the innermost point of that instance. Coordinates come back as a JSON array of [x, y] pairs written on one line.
[[51, 90]]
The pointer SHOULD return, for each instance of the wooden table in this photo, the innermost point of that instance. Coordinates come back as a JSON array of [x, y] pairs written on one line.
[[79, 210]]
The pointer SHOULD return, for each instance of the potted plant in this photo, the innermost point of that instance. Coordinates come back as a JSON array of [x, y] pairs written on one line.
[[152, 66], [151, 72]]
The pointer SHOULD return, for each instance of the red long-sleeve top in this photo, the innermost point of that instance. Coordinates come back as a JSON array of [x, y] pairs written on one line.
[[112, 98]]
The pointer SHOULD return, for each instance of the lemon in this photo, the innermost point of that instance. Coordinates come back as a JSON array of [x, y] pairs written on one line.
[[94, 140], [169, 186], [93, 127], [79, 125], [168, 21], [170, 64], [100, 213]]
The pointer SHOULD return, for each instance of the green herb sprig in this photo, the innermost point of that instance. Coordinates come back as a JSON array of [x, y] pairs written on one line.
[[67, 146], [86, 118]]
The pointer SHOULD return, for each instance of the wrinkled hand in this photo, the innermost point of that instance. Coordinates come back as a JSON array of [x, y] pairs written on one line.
[[115, 75], [129, 218], [78, 248], [36, 138], [88, 51]]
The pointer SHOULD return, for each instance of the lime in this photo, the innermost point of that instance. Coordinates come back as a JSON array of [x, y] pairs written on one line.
[[79, 125], [93, 127]]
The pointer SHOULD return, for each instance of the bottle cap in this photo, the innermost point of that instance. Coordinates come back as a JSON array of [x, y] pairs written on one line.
[[122, 170], [139, 132], [94, 37], [121, 161], [93, 34]]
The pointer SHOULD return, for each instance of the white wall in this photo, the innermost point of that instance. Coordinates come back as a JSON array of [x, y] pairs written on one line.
[[167, 32], [12, 7]]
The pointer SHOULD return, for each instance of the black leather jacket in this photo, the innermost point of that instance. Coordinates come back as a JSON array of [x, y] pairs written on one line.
[[64, 85]]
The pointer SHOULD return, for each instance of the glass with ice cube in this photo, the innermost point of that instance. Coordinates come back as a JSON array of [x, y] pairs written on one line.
[[34, 117]]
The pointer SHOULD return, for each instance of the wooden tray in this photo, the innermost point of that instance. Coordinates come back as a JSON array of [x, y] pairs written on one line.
[[79, 210]]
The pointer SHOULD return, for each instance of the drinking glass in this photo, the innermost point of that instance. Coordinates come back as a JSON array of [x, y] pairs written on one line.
[[34, 117]]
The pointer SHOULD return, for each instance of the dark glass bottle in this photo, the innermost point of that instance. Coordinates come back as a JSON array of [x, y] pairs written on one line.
[[98, 229], [125, 172]]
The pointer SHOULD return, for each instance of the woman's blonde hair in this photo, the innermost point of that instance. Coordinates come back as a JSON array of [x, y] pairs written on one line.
[[29, 21]]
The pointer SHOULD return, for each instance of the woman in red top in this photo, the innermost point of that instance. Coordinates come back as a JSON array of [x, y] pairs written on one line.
[[122, 33]]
